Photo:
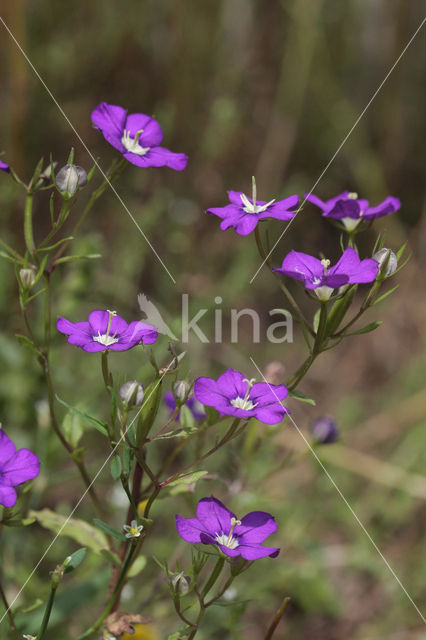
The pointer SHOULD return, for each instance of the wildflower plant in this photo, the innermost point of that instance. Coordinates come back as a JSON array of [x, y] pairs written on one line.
[[152, 457]]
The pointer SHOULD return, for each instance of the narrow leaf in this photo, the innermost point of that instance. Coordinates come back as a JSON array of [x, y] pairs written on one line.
[[109, 530]]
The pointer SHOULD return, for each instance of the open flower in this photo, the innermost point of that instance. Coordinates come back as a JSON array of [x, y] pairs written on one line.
[[192, 403], [4, 167], [215, 524], [350, 209], [105, 330], [136, 136], [16, 467], [317, 274], [244, 213], [133, 530], [232, 394]]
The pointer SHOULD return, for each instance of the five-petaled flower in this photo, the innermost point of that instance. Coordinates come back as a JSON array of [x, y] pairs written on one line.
[[317, 275], [216, 525], [105, 330], [232, 394], [351, 210], [244, 213], [133, 530], [192, 403], [136, 136], [4, 167], [16, 467]]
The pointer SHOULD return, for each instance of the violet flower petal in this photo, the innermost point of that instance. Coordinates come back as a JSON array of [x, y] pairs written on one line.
[[152, 133], [389, 205], [214, 516], [7, 496], [256, 527], [110, 119], [4, 167], [7, 448], [255, 552], [23, 466], [190, 529]]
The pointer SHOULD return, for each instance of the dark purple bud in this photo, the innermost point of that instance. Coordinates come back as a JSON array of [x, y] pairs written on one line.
[[324, 430]]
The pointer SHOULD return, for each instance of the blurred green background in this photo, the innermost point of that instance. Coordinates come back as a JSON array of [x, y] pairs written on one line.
[[244, 87]]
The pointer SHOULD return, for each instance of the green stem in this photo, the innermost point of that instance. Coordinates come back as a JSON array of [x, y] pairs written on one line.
[[301, 372], [28, 223], [111, 601], [47, 613], [282, 286], [207, 587], [111, 175], [9, 613], [275, 622], [320, 335]]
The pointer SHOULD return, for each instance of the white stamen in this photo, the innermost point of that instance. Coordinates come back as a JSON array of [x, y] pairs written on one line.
[[325, 263], [132, 144], [353, 195], [227, 541], [252, 207], [243, 403], [105, 339]]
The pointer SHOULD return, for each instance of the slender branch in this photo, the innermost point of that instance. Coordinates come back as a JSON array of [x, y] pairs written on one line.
[[9, 613], [275, 622]]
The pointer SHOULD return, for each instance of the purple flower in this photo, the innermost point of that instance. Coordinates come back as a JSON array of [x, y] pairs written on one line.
[[16, 467], [105, 330], [233, 395], [216, 525], [244, 213], [136, 136], [192, 403], [317, 275], [4, 167], [350, 209], [324, 430]]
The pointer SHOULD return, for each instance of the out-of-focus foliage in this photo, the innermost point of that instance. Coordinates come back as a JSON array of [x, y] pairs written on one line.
[[243, 87]]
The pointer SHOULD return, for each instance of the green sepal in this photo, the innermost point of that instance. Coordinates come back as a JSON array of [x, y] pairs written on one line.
[[339, 310], [149, 411], [75, 559]]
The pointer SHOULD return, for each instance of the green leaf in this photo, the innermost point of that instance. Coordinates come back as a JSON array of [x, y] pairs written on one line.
[[71, 156], [26, 342], [72, 427], [75, 559], [298, 395], [187, 417], [400, 251], [79, 530], [100, 426], [369, 327], [316, 320], [91, 256], [339, 310], [148, 411], [138, 566], [109, 530], [116, 467], [385, 295], [188, 478], [128, 457]]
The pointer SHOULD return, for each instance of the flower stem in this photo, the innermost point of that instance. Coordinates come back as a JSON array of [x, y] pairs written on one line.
[[28, 223], [9, 613], [207, 587], [47, 612], [112, 599], [275, 622]]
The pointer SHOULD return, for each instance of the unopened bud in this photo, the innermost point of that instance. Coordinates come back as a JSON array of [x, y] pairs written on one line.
[[324, 430], [132, 393], [27, 277], [180, 583], [274, 372], [70, 179], [388, 262], [181, 389]]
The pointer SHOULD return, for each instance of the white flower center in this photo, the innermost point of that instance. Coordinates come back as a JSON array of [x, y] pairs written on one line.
[[226, 541], [105, 339], [253, 207], [132, 144], [243, 403]]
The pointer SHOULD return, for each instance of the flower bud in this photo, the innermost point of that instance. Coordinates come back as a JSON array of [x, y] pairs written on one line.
[[274, 372], [70, 179], [324, 430], [27, 277], [180, 583], [181, 389], [132, 393], [388, 262]]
